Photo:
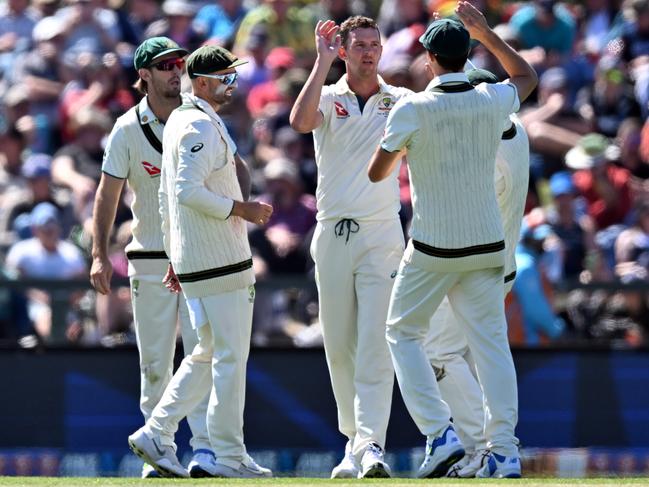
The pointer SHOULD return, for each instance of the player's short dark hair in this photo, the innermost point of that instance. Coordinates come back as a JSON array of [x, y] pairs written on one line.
[[356, 22], [451, 64]]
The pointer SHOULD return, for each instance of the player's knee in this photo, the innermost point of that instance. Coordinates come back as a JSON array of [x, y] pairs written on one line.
[[155, 371], [201, 355]]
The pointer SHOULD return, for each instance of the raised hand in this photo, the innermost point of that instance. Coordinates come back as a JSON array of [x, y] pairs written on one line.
[[327, 40], [472, 19]]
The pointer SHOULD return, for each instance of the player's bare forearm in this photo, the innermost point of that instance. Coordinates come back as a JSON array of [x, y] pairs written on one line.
[[382, 164], [103, 214], [243, 175], [305, 115]]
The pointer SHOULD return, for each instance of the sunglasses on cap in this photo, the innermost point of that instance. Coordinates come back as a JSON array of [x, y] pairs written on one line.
[[169, 64], [226, 79]]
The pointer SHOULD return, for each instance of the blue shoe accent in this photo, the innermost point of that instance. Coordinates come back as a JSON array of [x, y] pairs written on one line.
[[441, 440], [491, 465], [500, 466], [204, 450], [441, 454], [202, 463]]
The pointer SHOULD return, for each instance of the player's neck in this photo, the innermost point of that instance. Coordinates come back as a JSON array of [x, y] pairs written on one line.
[[363, 87], [162, 106]]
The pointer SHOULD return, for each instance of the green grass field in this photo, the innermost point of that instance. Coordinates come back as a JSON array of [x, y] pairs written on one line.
[[303, 482]]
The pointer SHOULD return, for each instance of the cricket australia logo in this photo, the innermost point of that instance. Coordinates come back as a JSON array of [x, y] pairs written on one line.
[[153, 171], [385, 105], [341, 111]]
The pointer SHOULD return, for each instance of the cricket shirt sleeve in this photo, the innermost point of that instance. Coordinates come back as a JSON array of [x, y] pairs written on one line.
[[117, 154], [201, 150], [400, 127]]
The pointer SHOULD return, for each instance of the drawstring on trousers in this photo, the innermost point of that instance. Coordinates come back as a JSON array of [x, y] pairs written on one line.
[[348, 224]]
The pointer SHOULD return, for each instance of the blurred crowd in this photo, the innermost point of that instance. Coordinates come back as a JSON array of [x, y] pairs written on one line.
[[66, 74]]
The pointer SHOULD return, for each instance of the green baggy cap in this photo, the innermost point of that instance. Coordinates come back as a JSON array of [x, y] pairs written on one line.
[[447, 38], [208, 59], [154, 48]]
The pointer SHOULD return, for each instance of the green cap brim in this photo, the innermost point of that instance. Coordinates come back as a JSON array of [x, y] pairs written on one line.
[[179, 50]]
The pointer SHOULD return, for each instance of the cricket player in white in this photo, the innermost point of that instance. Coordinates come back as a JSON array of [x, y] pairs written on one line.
[[446, 345], [451, 132], [204, 228], [133, 153], [358, 241]]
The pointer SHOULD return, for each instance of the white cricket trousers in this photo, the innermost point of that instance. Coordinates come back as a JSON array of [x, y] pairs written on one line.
[[477, 299], [217, 363], [156, 312], [355, 270], [448, 352]]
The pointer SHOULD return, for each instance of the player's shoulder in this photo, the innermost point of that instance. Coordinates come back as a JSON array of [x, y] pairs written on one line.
[[127, 120], [411, 98], [495, 88], [397, 91], [329, 90], [187, 115]]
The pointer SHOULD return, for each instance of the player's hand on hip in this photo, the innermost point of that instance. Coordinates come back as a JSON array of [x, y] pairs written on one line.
[[327, 40], [472, 19], [101, 272]]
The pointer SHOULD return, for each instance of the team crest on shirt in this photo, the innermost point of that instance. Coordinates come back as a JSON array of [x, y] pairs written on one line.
[[385, 105], [341, 112], [153, 171]]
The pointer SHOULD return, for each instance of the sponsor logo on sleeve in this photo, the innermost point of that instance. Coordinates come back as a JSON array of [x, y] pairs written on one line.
[[197, 147]]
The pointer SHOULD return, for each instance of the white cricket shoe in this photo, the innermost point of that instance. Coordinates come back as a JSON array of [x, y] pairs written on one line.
[[469, 465], [161, 457], [348, 467], [373, 465], [202, 464], [148, 472], [442, 452], [247, 469], [500, 467]]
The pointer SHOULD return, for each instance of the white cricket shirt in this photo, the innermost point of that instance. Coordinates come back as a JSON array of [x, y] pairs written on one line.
[[452, 140], [512, 178], [129, 155], [344, 145]]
